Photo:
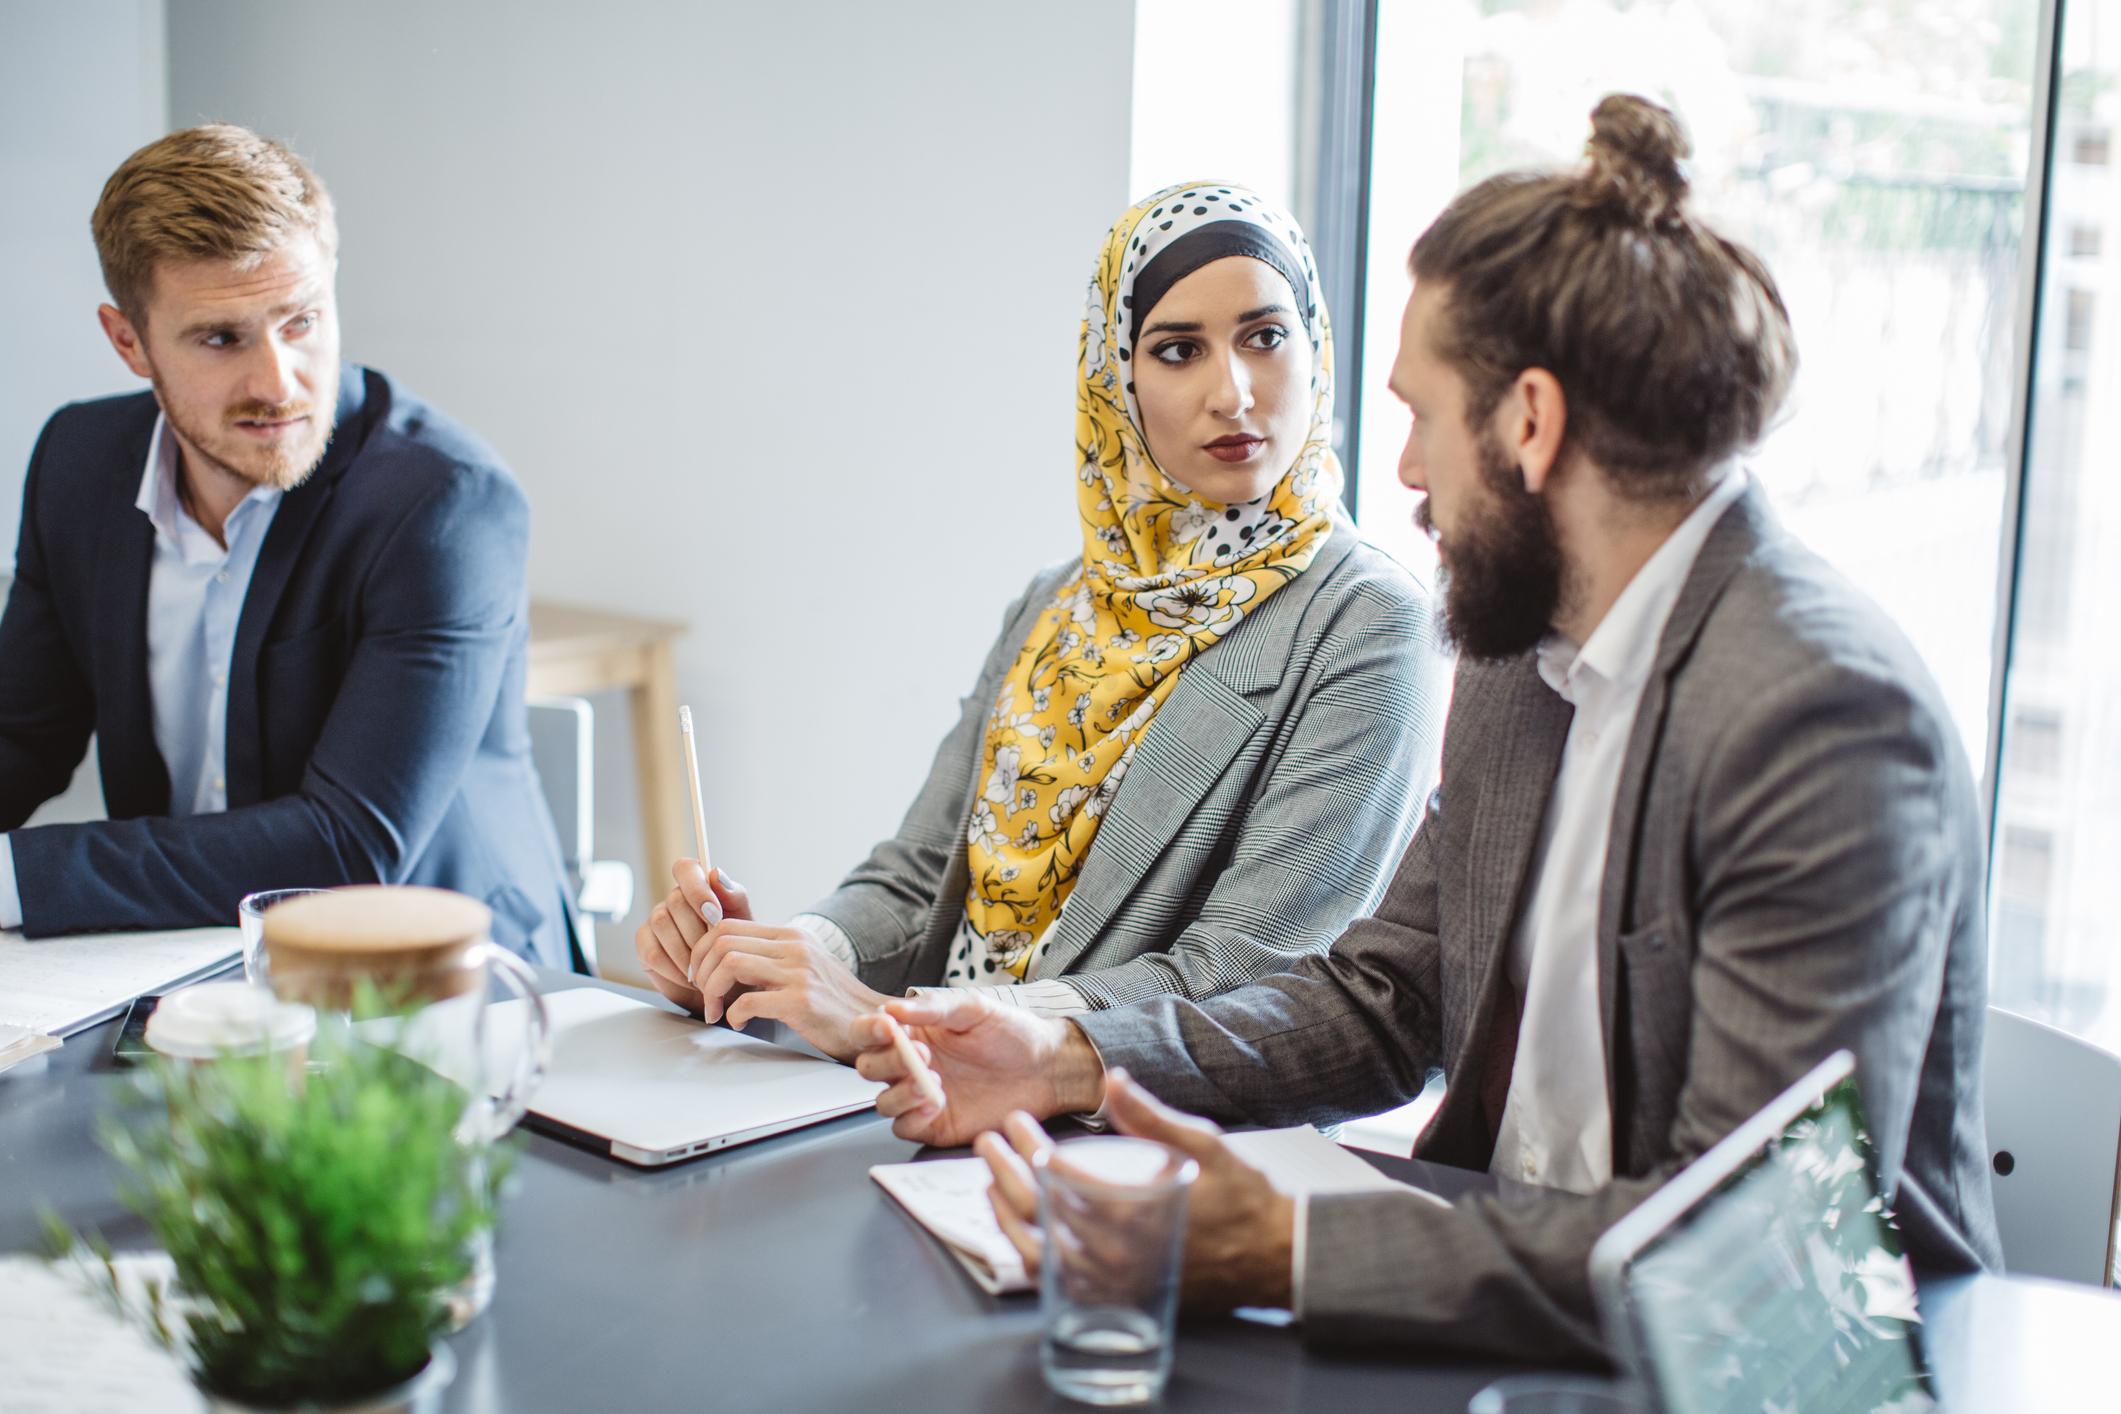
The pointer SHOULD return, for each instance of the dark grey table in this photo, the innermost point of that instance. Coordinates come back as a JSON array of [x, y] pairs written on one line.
[[778, 1277]]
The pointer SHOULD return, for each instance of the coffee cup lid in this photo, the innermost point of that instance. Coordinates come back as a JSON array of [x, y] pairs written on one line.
[[216, 1019]]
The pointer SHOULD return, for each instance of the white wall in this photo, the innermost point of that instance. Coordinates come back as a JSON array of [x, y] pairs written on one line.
[[81, 86], [773, 309], [1215, 95]]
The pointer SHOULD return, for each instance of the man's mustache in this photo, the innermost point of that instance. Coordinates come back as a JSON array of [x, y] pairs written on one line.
[[268, 412]]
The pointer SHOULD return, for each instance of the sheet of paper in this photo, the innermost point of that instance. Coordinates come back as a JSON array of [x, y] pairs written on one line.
[[65, 1351], [949, 1196], [19, 1043], [60, 985], [1301, 1160]]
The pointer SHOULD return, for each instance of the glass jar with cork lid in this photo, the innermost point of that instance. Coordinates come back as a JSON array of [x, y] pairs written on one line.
[[415, 969]]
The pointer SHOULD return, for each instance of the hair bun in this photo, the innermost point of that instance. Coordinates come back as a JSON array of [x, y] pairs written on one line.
[[1634, 158]]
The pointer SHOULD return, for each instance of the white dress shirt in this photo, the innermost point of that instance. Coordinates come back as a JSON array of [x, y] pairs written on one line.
[[1557, 1126], [195, 593]]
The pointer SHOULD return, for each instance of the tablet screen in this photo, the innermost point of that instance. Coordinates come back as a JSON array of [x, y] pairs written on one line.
[[1786, 1289]]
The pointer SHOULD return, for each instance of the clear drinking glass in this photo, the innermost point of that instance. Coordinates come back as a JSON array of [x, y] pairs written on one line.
[[1114, 1214], [250, 917]]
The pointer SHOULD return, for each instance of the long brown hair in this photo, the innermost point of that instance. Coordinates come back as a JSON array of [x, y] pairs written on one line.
[[1670, 342]]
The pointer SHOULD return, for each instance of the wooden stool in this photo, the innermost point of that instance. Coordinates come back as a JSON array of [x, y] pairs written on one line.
[[574, 652]]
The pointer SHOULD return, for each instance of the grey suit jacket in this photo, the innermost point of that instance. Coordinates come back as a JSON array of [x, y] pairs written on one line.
[[1264, 808], [1796, 865]]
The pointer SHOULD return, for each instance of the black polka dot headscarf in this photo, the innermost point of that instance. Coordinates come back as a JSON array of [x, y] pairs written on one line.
[[1139, 523]]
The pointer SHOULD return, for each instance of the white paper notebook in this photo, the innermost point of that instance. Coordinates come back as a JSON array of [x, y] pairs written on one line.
[[949, 1196], [63, 985]]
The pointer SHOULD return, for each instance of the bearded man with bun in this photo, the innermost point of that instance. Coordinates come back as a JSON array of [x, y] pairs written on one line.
[[1704, 820]]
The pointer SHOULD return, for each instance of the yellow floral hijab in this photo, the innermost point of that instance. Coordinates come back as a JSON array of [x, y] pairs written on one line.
[[1164, 576]]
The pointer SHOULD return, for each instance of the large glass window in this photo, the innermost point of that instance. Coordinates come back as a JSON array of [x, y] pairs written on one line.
[[1874, 154], [2058, 809]]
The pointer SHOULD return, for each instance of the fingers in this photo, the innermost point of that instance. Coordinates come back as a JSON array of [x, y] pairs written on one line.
[[713, 944], [735, 898], [958, 1009], [771, 1003], [738, 968], [714, 949], [661, 945], [1013, 1195], [699, 899], [871, 1034], [1135, 1111], [886, 1064]]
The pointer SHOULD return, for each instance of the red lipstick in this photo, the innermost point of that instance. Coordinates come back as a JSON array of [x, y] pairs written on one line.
[[1237, 447]]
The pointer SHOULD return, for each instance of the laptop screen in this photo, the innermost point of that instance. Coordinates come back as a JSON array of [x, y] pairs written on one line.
[[1786, 1289]]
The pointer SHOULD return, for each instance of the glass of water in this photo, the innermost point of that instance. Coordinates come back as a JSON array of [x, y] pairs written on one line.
[[1114, 1214], [250, 917]]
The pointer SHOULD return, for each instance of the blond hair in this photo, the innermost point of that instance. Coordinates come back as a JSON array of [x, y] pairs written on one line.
[[214, 192]]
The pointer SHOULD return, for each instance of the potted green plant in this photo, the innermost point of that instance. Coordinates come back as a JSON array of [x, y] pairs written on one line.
[[315, 1222]]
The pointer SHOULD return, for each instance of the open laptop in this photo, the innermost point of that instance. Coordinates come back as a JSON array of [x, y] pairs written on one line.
[[650, 1087], [1768, 1276]]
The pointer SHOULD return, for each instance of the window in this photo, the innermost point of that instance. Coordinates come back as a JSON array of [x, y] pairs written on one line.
[[1877, 165], [2056, 945], [1877, 155]]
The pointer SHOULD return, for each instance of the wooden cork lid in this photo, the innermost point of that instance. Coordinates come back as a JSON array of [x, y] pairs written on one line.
[[403, 938]]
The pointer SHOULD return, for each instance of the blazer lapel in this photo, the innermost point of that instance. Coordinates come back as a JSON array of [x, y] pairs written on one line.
[[285, 541], [1737, 533], [1528, 726], [1203, 725], [135, 778], [1183, 752]]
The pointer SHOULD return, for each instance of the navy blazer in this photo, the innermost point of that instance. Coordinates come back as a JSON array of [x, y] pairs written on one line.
[[376, 727]]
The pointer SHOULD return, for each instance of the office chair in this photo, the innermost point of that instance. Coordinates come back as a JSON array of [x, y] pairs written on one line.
[[560, 747], [2054, 1144]]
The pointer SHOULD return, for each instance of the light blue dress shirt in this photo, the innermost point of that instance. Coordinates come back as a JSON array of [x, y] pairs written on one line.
[[195, 593]]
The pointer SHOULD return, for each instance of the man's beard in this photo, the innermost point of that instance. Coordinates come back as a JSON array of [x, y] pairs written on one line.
[[1503, 570], [283, 466]]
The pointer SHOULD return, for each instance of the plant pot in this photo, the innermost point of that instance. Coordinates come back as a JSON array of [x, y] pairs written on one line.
[[422, 1394]]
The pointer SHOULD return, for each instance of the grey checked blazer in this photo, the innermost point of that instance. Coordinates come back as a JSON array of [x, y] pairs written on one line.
[[1796, 865], [1264, 808]]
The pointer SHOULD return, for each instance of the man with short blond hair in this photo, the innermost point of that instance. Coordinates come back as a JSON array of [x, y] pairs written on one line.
[[286, 597]]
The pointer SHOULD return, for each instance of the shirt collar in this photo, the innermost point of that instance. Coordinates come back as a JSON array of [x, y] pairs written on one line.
[[1623, 648], [158, 499]]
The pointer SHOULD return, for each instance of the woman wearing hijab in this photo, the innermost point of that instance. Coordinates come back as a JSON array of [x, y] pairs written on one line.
[[1196, 749]]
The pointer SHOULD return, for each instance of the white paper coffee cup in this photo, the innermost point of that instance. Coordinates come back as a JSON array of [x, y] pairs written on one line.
[[217, 1019]]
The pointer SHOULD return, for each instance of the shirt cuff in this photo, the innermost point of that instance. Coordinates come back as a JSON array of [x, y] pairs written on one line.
[[830, 936], [1296, 1255], [10, 896], [1051, 997]]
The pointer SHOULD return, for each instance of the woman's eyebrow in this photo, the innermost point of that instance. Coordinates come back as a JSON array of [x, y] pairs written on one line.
[[1194, 326]]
